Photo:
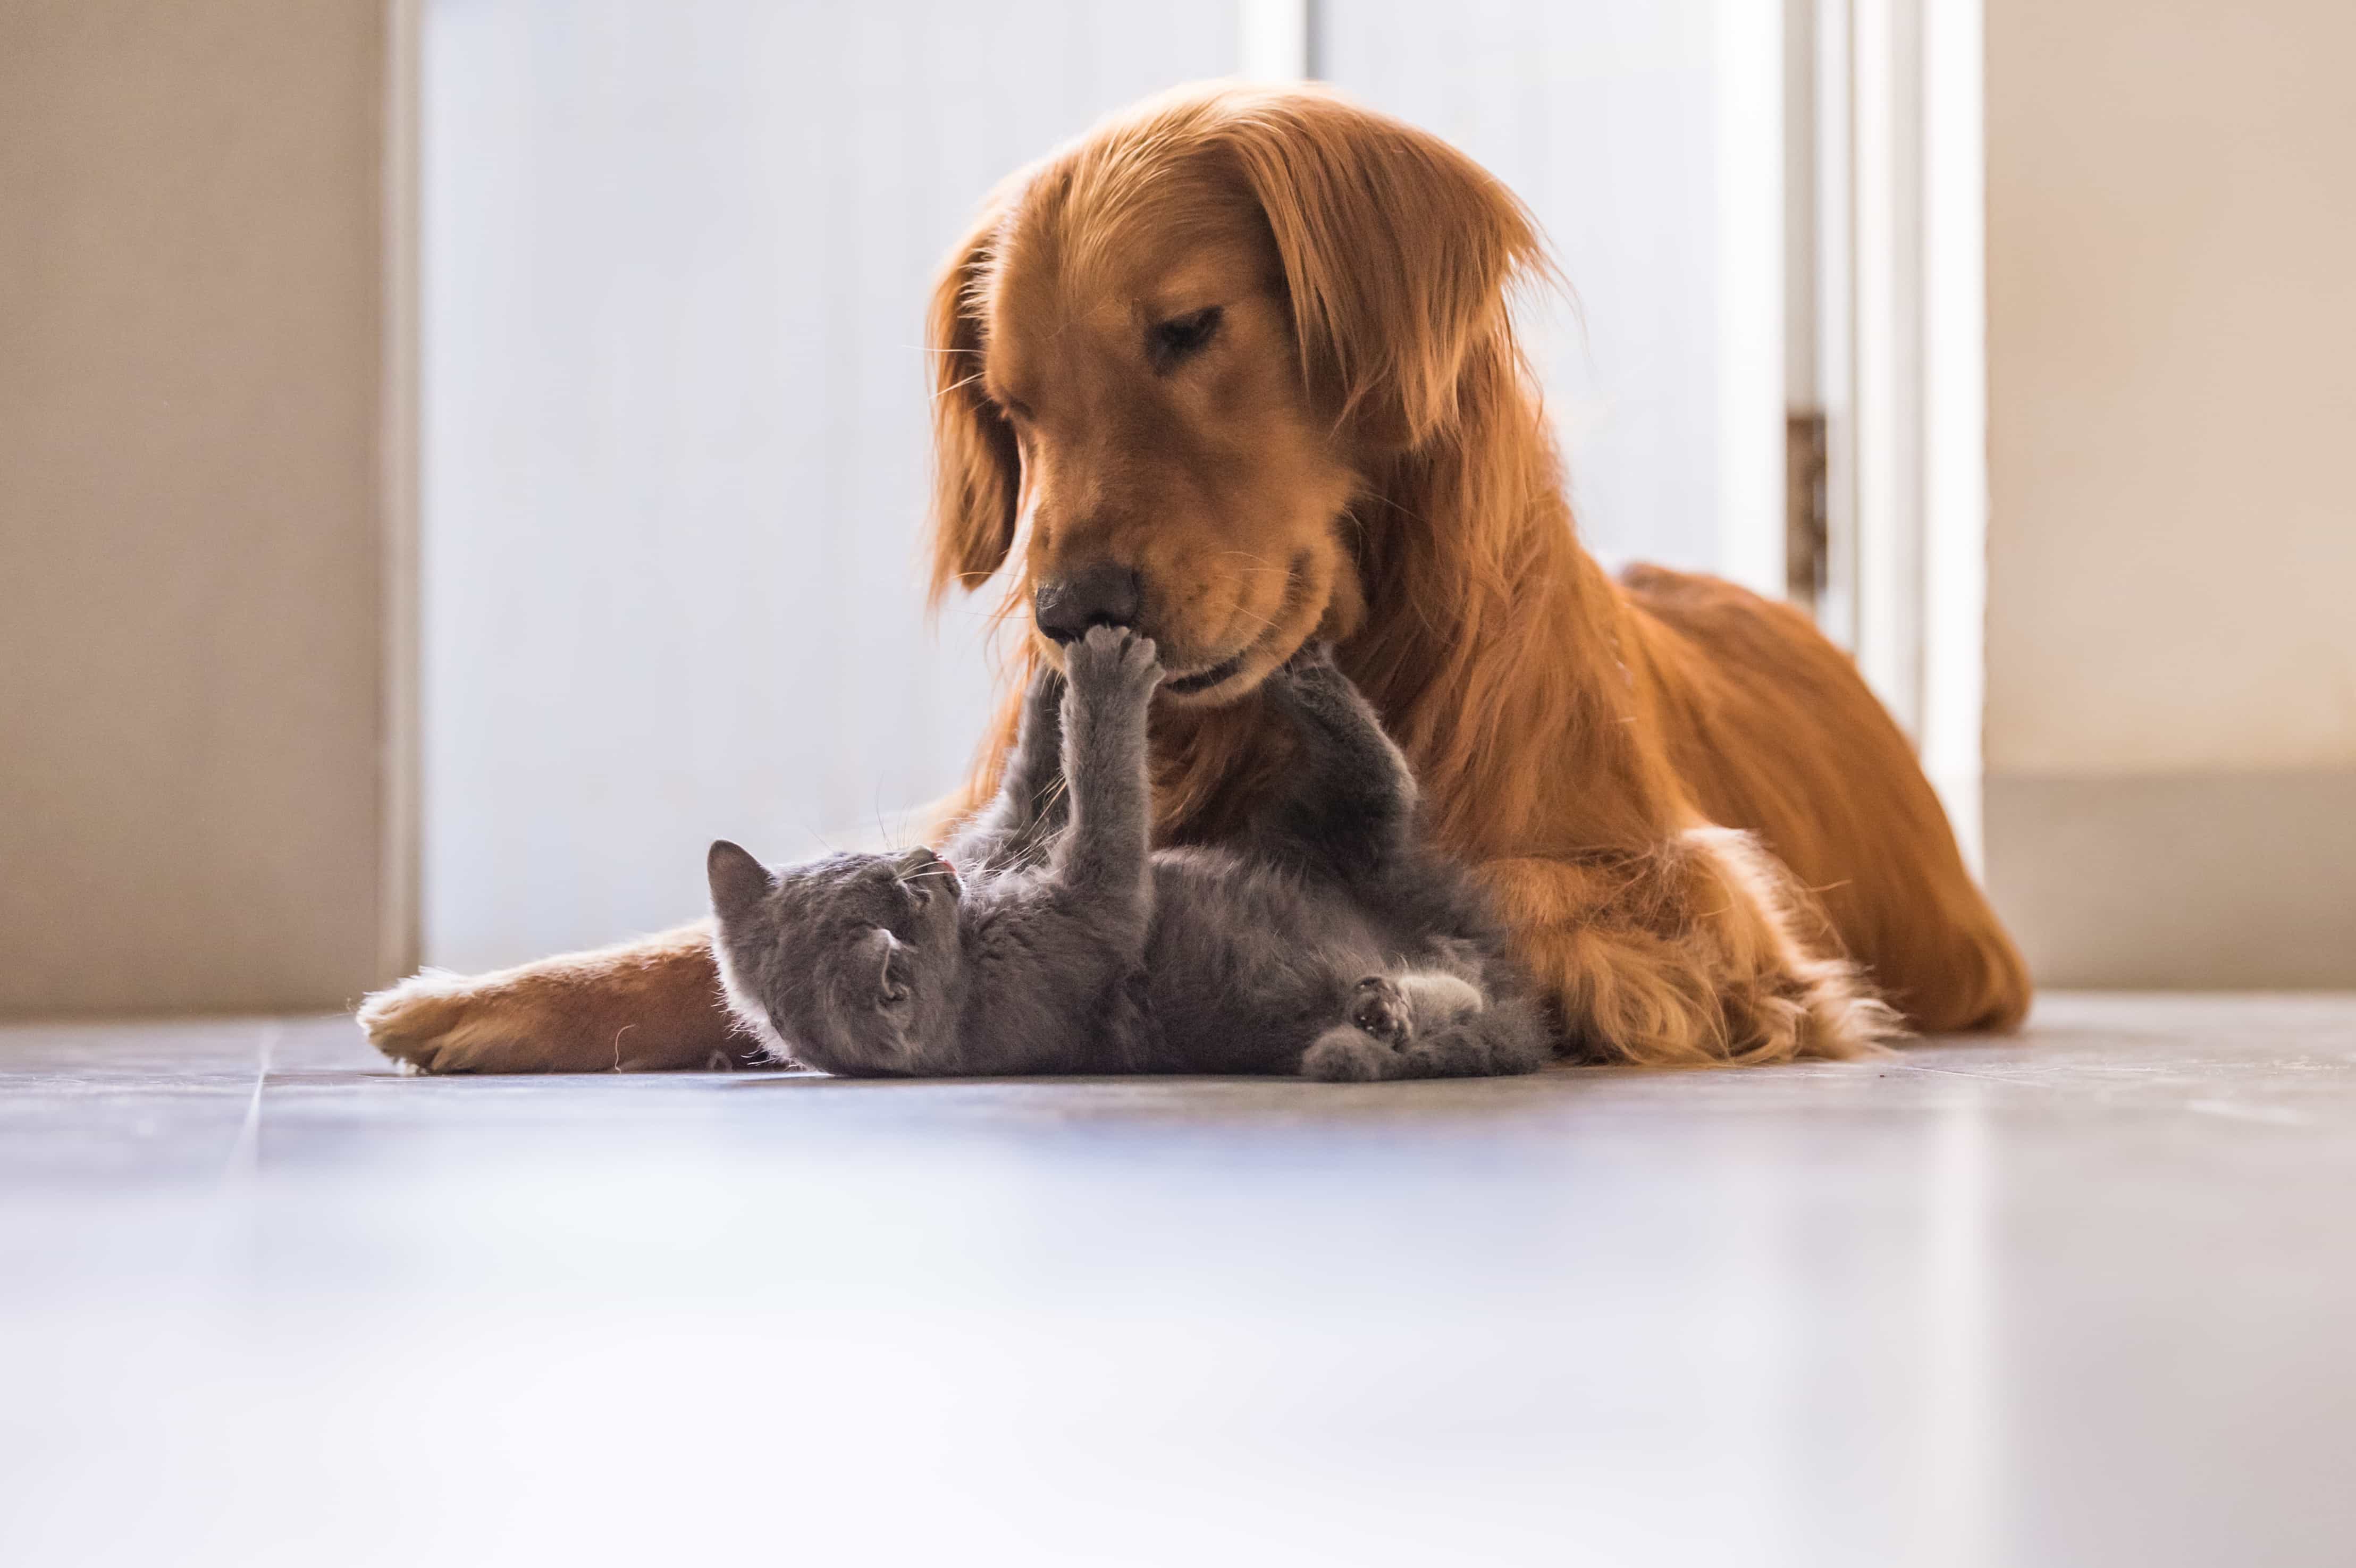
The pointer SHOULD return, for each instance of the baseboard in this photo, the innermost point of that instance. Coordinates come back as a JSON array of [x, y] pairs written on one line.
[[2185, 882]]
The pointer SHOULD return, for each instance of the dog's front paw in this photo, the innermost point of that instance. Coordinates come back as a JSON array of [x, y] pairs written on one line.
[[640, 1008], [435, 1021], [1112, 662]]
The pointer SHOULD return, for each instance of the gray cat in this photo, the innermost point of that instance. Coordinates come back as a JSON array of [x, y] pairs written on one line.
[[1328, 941]]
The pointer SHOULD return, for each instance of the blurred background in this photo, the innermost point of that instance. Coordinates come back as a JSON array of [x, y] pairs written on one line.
[[458, 456]]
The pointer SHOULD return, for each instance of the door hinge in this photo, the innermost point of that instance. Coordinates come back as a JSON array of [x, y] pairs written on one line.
[[1806, 519]]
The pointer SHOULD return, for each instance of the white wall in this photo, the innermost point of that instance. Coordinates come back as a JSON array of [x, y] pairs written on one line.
[[1604, 115], [676, 260]]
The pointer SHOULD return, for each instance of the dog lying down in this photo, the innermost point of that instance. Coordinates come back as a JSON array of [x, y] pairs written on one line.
[[1327, 940]]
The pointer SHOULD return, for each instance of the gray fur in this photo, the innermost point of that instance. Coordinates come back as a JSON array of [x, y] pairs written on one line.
[[1328, 941]]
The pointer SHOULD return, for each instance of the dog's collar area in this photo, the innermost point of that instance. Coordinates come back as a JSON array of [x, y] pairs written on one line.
[[1202, 681]]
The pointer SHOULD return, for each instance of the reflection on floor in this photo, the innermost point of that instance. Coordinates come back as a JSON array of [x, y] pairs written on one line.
[[2087, 1296]]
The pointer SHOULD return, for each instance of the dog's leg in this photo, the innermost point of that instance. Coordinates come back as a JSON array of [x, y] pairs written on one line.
[[644, 1006], [1693, 955]]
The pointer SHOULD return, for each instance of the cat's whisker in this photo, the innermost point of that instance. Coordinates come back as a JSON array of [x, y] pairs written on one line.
[[883, 829]]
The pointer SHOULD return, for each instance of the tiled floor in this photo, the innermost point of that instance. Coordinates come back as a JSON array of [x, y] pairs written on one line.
[[2086, 1297]]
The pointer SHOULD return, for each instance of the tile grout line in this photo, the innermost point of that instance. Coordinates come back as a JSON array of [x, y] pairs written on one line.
[[244, 1155], [1976, 1077]]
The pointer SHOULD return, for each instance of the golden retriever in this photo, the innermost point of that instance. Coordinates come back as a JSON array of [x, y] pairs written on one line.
[[1238, 369]]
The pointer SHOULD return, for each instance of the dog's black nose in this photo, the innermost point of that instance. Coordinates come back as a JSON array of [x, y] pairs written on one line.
[[1099, 595]]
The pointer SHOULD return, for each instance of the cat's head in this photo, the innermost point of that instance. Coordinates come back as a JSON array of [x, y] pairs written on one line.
[[847, 963]]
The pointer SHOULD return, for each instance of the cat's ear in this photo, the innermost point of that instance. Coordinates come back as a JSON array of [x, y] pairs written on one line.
[[878, 945], [875, 950], [738, 881]]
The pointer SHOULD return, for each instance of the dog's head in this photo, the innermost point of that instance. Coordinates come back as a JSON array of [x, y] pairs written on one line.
[[1169, 357]]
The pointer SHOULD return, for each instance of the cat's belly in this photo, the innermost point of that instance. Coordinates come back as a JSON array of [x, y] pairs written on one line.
[[1246, 965]]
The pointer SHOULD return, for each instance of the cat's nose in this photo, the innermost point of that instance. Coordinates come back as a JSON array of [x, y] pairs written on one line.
[[921, 868], [1103, 594]]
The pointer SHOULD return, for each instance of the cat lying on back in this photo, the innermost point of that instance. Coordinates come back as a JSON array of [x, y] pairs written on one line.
[[1329, 940]]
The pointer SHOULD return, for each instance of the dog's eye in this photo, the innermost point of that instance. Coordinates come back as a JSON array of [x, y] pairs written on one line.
[[1182, 337], [1014, 408]]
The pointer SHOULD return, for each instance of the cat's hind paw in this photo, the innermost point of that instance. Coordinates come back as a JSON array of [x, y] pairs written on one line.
[[1377, 1042], [1345, 1054], [1380, 1009]]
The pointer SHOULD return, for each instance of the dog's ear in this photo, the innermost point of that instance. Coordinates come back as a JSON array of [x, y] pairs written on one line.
[[738, 881], [1398, 252], [976, 465]]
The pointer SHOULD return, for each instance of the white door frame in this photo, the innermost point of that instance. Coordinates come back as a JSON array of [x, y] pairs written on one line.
[[1899, 368], [400, 923]]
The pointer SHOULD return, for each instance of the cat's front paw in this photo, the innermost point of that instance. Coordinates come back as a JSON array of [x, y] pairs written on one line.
[[1309, 672], [1312, 657], [1046, 692], [1112, 662]]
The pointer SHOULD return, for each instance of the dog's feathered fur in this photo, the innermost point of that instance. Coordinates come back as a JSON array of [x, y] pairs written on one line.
[[1710, 841]]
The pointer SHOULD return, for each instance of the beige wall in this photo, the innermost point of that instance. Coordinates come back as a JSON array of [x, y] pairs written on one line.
[[190, 290], [2171, 631]]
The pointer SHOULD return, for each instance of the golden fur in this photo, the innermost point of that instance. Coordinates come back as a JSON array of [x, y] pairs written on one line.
[[1711, 842]]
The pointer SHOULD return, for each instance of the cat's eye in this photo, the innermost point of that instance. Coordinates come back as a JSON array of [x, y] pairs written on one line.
[[1170, 342]]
